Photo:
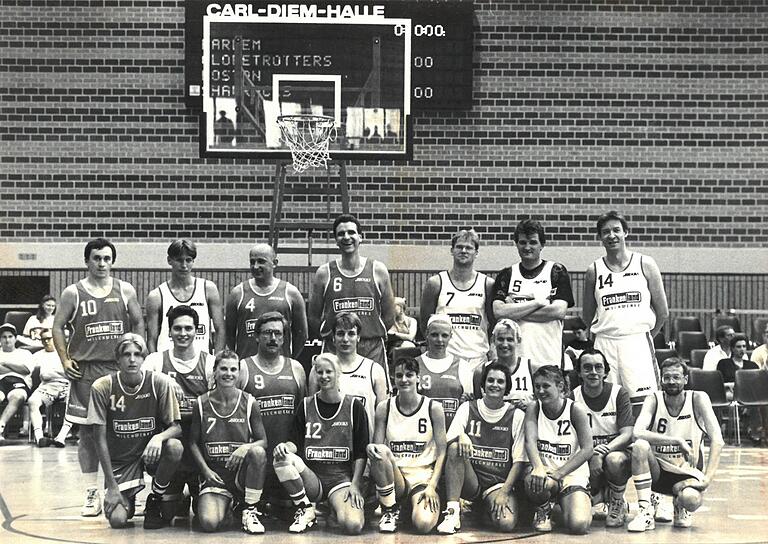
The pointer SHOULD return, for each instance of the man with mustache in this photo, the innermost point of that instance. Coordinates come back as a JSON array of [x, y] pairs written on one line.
[[667, 452]]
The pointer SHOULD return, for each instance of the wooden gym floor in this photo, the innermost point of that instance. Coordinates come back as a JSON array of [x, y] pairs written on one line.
[[40, 501]]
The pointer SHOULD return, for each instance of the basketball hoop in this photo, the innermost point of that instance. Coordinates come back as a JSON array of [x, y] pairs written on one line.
[[308, 137]]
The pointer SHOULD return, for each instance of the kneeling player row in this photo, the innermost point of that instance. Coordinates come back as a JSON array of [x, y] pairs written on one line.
[[493, 447]]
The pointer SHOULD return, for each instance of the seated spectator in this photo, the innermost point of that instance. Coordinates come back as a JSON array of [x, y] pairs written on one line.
[[722, 350], [15, 376], [36, 324], [728, 366], [54, 387], [403, 331], [760, 355]]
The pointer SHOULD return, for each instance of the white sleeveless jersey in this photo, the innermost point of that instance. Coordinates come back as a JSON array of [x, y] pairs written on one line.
[[604, 424], [466, 308], [410, 437], [623, 300], [683, 426], [542, 342], [558, 441], [199, 303], [358, 383], [522, 383]]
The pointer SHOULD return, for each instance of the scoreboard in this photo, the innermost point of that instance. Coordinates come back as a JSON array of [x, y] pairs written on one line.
[[441, 43], [368, 65]]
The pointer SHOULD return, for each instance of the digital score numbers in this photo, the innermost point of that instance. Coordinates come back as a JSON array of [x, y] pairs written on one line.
[[441, 43]]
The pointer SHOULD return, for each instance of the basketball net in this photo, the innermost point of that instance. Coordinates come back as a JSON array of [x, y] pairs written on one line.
[[308, 137]]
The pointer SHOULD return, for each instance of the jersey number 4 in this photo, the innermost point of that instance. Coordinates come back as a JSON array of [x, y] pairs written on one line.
[[116, 404]]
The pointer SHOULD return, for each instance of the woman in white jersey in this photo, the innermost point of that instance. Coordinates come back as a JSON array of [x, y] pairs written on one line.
[[227, 442], [407, 452], [506, 339], [558, 441]]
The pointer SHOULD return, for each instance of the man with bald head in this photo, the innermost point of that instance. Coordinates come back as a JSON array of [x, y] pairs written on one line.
[[264, 293]]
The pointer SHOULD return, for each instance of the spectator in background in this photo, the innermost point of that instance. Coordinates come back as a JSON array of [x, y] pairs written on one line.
[[581, 343], [224, 129], [403, 332], [738, 360], [54, 387], [760, 355], [15, 376], [722, 350], [39, 322]]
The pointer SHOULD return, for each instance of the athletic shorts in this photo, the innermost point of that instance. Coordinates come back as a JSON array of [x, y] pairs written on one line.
[[80, 390], [51, 392], [130, 476], [669, 475], [416, 477], [233, 483], [13, 383], [486, 483], [633, 363], [330, 481]]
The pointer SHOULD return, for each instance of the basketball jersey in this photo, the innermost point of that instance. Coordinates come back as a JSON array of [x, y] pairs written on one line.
[[328, 443], [358, 383], [542, 342], [604, 423], [622, 299], [131, 418], [492, 443], [359, 294], [558, 441], [199, 303], [409, 437], [684, 425], [251, 306], [222, 434], [193, 383], [444, 387], [277, 396], [466, 308], [97, 324]]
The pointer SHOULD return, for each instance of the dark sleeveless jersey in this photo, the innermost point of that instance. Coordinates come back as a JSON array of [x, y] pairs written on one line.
[[445, 387], [132, 419], [359, 294], [250, 307], [222, 434], [492, 443], [278, 398], [328, 443], [97, 324], [193, 384]]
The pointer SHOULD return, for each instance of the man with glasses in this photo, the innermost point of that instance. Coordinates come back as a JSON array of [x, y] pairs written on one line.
[[184, 288], [278, 383], [465, 295], [54, 387]]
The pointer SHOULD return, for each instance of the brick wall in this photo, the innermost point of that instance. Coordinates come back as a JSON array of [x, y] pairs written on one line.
[[656, 108]]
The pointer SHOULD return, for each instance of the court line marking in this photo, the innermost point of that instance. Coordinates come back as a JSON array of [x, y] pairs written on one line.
[[748, 517]]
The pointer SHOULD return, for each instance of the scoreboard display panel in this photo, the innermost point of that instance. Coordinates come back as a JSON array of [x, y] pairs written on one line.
[[366, 65]]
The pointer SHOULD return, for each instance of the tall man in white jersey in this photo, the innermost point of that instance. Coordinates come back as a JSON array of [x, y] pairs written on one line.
[[625, 303], [356, 284], [100, 309], [667, 453], [184, 288], [260, 294], [465, 295], [536, 294]]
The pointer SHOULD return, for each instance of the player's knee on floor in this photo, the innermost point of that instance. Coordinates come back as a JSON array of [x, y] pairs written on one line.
[[579, 525], [690, 499], [535, 497], [350, 521], [119, 517], [505, 524]]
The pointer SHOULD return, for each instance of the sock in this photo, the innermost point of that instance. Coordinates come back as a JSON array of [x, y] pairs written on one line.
[[65, 428], [158, 488], [252, 496], [456, 505], [38, 433], [617, 490], [91, 480], [643, 486], [300, 498], [386, 495]]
